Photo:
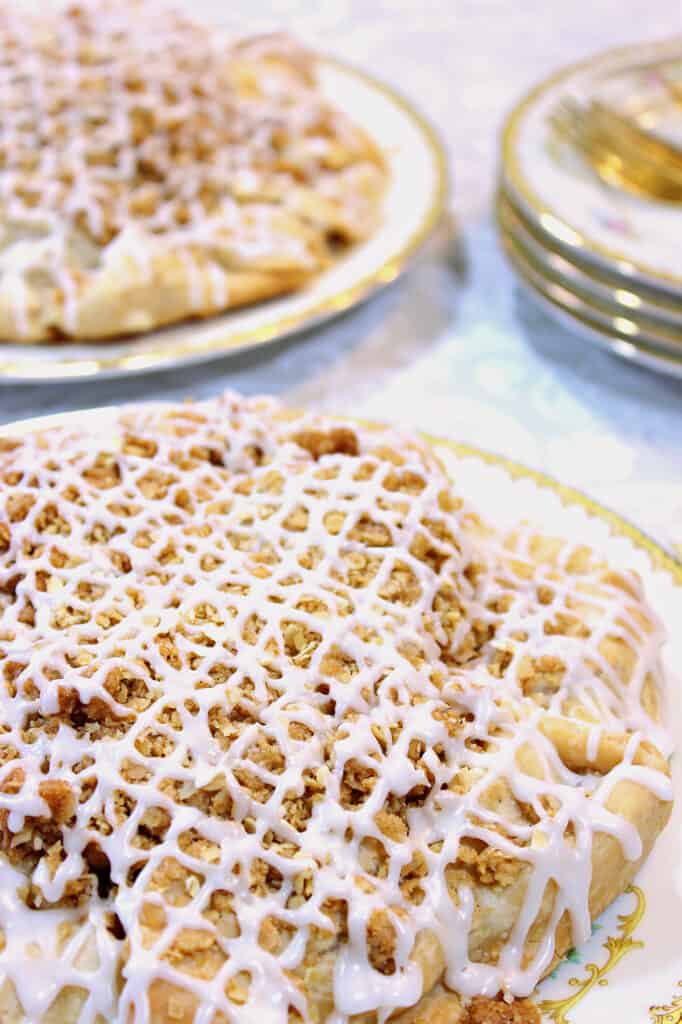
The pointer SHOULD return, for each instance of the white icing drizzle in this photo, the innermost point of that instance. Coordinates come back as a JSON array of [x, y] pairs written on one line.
[[128, 120], [286, 625]]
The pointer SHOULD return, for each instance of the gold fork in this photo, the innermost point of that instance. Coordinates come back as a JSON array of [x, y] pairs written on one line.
[[619, 150], [673, 87]]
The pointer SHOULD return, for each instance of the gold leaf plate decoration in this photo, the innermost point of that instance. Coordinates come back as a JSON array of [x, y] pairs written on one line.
[[671, 1014], [617, 946]]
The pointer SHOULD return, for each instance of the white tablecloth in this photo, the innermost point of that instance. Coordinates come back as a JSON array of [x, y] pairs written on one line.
[[453, 348]]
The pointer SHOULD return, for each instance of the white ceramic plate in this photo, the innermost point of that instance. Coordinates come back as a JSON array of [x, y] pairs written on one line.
[[637, 238], [598, 288], [630, 972], [413, 206], [623, 322], [620, 335]]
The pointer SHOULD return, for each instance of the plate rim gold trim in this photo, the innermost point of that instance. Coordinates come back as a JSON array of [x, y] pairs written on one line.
[[660, 1013], [634, 350], [514, 222], [659, 557], [511, 169], [643, 332], [186, 352]]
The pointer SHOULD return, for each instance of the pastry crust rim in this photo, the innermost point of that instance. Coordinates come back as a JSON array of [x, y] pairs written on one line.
[[612, 874], [103, 312]]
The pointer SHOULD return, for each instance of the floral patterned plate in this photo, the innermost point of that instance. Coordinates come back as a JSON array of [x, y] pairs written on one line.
[[636, 238]]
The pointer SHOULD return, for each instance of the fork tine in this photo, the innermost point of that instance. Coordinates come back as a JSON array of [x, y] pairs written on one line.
[[615, 150], [610, 166], [656, 148], [628, 149], [673, 87]]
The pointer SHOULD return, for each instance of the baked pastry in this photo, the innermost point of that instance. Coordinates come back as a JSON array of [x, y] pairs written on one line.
[[152, 169], [288, 732]]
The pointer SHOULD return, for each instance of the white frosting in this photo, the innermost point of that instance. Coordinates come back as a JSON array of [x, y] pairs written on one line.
[[234, 520]]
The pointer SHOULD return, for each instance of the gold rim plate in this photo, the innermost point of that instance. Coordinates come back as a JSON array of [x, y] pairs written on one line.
[[622, 322], [618, 335], [417, 163], [598, 287], [640, 56]]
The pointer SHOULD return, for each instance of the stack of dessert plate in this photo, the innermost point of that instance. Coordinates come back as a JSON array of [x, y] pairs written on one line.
[[604, 261]]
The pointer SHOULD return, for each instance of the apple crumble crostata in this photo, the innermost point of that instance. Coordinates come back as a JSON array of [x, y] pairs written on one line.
[[152, 169], [290, 735]]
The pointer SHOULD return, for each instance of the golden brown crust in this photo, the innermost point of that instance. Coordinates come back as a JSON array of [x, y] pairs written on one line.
[[437, 1007], [110, 306]]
